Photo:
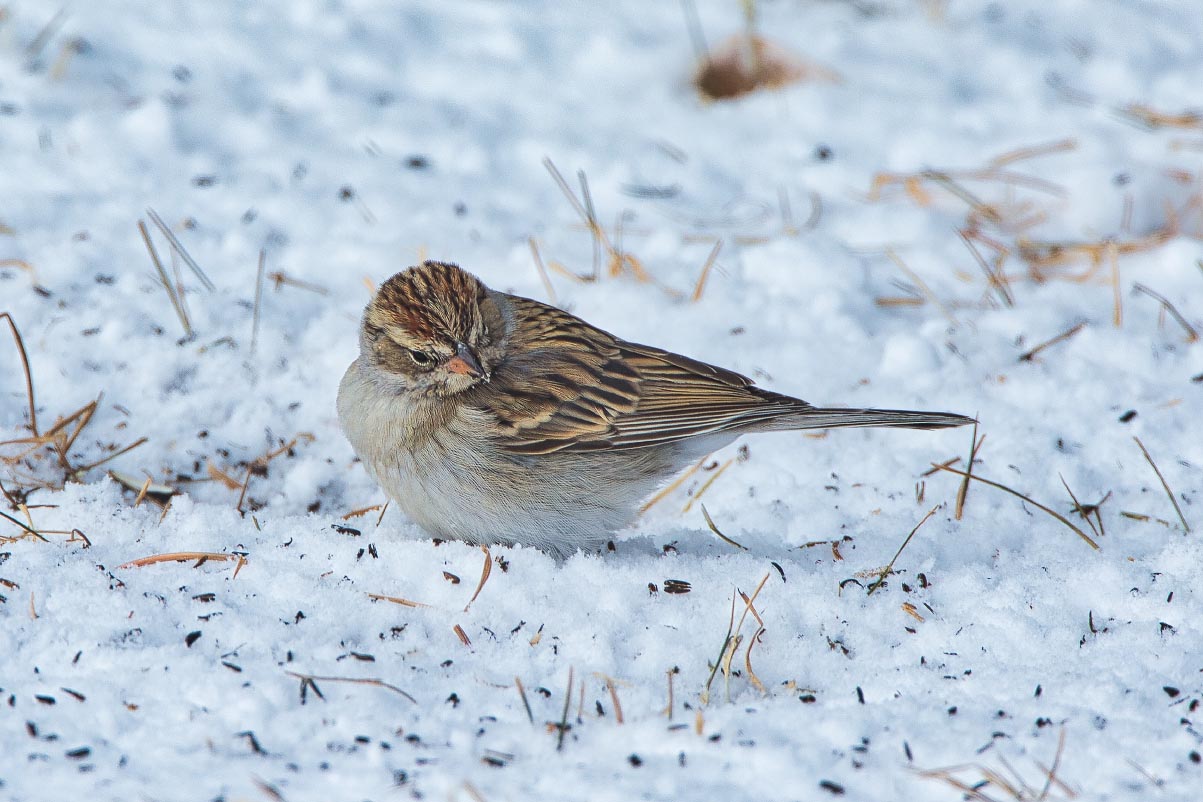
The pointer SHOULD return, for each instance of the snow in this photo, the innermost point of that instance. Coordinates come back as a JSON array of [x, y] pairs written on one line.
[[352, 138]]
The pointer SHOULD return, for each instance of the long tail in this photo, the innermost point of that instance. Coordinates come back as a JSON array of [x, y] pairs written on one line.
[[821, 418]]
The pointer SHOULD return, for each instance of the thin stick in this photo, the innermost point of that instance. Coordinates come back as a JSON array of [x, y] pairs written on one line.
[[525, 701], [33, 412], [396, 600], [613, 698], [706, 485], [485, 570], [700, 287], [719, 660], [258, 300], [963, 491], [242, 496], [996, 280], [680, 480], [1028, 356], [1078, 508], [715, 530], [1192, 335], [179, 248], [669, 674], [944, 464], [1052, 772], [1060, 146], [114, 455], [167, 285], [889, 568], [28, 530], [755, 680], [1168, 492], [564, 718], [591, 219], [1111, 252], [547, 285], [280, 278], [379, 683], [201, 558], [1028, 499], [921, 284]]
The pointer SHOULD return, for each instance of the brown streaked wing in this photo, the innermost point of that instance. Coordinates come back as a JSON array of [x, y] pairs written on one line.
[[575, 387]]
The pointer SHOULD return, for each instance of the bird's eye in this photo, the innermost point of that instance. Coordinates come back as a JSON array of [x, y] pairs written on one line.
[[420, 358]]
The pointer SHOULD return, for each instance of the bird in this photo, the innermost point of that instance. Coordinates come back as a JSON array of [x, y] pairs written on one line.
[[496, 419]]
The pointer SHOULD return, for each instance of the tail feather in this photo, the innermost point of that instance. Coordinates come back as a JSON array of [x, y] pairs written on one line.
[[827, 418]]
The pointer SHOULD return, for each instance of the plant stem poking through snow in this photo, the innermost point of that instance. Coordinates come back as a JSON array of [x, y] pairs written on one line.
[[710, 523], [1029, 500], [310, 680], [1164, 484], [890, 568]]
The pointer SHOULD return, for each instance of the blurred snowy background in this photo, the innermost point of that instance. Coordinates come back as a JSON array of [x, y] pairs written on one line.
[[984, 207]]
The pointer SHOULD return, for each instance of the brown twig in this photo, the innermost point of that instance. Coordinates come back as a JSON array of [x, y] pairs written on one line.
[[547, 285], [713, 528], [1028, 499], [1028, 356], [379, 683], [921, 284], [963, 490], [33, 412], [258, 300], [1078, 508], [525, 701], [201, 557], [706, 485], [1164, 484], [485, 571], [396, 600], [889, 568], [680, 480], [700, 287], [172, 292], [180, 249], [1191, 334]]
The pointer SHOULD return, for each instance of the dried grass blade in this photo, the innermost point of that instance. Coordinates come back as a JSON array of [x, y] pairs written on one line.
[[1164, 484], [700, 287], [396, 600], [755, 680], [179, 249], [379, 683], [547, 285], [680, 480], [33, 412], [1192, 335], [963, 490], [485, 571], [165, 280], [525, 702], [921, 284], [1029, 500], [1028, 356], [201, 557], [715, 530], [886, 571], [258, 300], [706, 485]]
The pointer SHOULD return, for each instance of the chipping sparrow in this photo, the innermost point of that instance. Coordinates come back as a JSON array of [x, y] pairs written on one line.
[[497, 419]]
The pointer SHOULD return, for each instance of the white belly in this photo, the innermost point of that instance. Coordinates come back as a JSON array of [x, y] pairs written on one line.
[[455, 483]]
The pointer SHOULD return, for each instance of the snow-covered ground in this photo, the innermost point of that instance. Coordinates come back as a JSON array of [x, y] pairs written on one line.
[[351, 138]]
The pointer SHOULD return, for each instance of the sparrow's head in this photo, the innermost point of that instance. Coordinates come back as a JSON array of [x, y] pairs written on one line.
[[434, 327]]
